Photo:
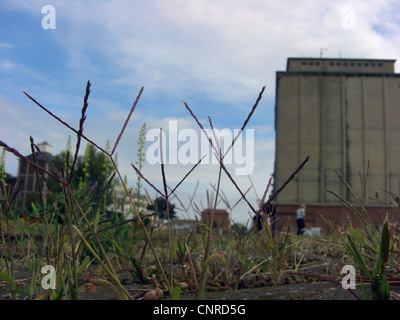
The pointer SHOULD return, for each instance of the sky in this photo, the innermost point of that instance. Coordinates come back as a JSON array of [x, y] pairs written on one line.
[[215, 55]]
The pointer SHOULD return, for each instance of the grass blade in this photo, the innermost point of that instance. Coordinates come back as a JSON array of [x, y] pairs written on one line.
[[357, 257]]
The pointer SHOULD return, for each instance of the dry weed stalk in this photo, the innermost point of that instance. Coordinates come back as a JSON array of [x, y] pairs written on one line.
[[74, 207]]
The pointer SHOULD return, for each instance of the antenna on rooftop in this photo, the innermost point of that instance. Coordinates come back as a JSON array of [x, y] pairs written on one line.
[[321, 52]]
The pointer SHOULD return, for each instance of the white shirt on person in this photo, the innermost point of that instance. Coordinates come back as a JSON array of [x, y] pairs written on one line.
[[299, 213]]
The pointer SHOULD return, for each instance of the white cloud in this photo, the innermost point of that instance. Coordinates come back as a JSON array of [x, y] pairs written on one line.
[[19, 122], [6, 65], [222, 49], [5, 45], [226, 49]]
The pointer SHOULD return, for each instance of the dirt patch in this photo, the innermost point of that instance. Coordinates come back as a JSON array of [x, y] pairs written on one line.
[[318, 290], [304, 291]]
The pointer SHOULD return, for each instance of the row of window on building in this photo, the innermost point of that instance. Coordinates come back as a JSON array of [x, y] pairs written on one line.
[[345, 64]]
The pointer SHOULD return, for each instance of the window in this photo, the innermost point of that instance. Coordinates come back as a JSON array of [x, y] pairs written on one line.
[[303, 63], [24, 167], [366, 64], [311, 63], [379, 64], [359, 64], [372, 64], [345, 64], [317, 63], [352, 64], [331, 63], [338, 63], [30, 184]]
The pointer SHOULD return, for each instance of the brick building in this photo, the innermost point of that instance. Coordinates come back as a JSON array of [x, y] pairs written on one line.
[[221, 218], [30, 180]]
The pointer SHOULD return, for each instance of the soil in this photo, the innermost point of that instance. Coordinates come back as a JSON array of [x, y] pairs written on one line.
[[298, 291], [303, 291], [316, 290]]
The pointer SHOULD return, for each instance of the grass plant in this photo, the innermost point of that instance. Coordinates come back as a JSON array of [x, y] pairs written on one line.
[[89, 246]]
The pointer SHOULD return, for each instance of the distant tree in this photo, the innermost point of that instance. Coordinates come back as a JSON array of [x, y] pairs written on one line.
[[10, 179], [159, 205], [239, 228], [92, 169]]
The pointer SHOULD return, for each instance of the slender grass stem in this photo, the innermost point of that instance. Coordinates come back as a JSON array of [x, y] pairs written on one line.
[[203, 278]]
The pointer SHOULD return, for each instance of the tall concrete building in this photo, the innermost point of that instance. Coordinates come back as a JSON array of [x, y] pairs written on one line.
[[345, 115]]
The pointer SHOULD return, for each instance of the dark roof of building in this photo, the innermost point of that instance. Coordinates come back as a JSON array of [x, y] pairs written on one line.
[[39, 156], [217, 211], [341, 59], [45, 142]]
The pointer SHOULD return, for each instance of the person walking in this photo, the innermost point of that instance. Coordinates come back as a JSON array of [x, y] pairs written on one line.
[[258, 222], [300, 219], [265, 218]]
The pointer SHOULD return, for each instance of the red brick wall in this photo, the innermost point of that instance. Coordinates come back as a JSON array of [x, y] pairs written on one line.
[[340, 216], [221, 218]]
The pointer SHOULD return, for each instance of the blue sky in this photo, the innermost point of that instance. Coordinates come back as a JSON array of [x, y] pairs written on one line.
[[215, 55]]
